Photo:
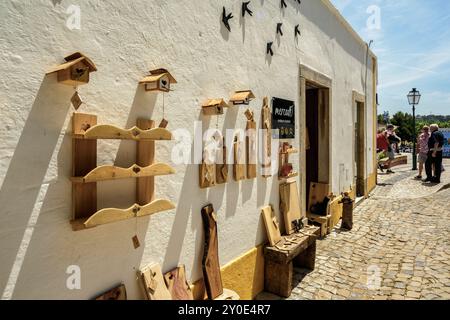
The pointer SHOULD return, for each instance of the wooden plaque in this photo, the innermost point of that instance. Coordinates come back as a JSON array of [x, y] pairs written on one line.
[[210, 262]]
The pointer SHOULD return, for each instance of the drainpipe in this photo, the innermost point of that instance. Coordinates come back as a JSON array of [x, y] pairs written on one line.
[[365, 95]]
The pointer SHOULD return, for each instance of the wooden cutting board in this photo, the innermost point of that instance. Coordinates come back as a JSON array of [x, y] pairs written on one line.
[[251, 149], [177, 284], [290, 205], [239, 160], [222, 168], [267, 139], [153, 283], [207, 171], [272, 225], [210, 262], [118, 293]]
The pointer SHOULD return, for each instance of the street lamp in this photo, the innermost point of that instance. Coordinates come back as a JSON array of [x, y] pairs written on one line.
[[414, 99]]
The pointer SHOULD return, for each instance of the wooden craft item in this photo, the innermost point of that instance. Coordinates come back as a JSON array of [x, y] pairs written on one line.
[[210, 262], [84, 160], [110, 215], [239, 160], [272, 225], [251, 146], [152, 281], [207, 172], [118, 293], [145, 157], [136, 242], [110, 132], [164, 123], [177, 284], [267, 139], [103, 173], [222, 168], [290, 205], [76, 100]]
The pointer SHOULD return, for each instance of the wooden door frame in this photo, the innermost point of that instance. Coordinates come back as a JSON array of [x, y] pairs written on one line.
[[324, 84], [360, 98]]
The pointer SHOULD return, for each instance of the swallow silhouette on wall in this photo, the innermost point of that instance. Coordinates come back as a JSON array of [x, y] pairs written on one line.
[[297, 31], [279, 30], [299, 1], [226, 18], [246, 9], [283, 4], [269, 48]]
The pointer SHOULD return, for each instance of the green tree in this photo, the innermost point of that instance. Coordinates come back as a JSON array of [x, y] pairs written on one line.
[[404, 122]]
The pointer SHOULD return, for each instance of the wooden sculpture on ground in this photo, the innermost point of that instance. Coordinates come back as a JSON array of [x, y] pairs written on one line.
[[152, 281], [177, 284], [211, 265]]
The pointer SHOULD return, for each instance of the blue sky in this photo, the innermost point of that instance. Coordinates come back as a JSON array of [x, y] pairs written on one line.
[[412, 42]]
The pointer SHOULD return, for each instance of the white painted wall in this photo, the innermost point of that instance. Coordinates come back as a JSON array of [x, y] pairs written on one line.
[[125, 39]]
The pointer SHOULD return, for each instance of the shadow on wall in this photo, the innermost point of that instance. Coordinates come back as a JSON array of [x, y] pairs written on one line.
[[29, 165], [24, 185]]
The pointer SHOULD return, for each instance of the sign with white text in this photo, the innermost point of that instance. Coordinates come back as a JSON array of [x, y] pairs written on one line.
[[283, 118]]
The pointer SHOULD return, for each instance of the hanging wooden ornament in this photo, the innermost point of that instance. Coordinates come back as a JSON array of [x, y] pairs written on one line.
[[76, 100]]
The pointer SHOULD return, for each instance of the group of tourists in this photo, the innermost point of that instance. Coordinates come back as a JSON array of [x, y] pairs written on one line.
[[429, 149]]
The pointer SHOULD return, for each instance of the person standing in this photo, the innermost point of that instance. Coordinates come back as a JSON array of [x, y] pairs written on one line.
[[382, 148], [393, 140], [435, 144], [422, 149]]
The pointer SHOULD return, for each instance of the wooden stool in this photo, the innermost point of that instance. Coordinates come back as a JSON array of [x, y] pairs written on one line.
[[297, 250]]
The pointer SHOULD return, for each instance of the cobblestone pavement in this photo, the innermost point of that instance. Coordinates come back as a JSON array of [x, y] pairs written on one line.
[[398, 249]]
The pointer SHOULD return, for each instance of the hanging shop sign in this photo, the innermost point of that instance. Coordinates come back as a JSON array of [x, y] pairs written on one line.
[[283, 118]]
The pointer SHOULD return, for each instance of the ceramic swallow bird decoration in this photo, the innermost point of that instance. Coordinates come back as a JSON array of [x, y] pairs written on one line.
[[269, 48], [283, 4], [226, 18], [246, 9], [297, 31], [279, 30]]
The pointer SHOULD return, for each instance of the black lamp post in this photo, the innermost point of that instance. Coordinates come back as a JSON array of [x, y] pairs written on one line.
[[414, 99]]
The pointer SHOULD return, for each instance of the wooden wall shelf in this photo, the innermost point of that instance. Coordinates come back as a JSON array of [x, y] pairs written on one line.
[[86, 173], [104, 173], [111, 215], [112, 132]]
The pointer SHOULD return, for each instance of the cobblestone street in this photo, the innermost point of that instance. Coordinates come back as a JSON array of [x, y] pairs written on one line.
[[398, 249]]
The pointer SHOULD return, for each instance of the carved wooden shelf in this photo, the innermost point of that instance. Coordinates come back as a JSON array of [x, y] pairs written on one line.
[[104, 173], [112, 132], [86, 174], [111, 215]]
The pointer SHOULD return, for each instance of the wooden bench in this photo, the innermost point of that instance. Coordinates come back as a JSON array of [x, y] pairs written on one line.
[[297, 250]]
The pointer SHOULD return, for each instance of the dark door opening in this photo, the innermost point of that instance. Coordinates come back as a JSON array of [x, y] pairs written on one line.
[[312, 130], [359, 150]]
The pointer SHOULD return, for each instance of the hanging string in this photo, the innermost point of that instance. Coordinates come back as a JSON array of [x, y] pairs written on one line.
[[164, 105]]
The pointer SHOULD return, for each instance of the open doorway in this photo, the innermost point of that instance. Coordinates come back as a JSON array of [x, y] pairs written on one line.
[[360, 146], [317, 124]]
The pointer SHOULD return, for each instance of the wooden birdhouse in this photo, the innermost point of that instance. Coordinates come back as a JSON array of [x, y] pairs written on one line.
[[242, 97], [75, 71], [214, 107], [158, 80]]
